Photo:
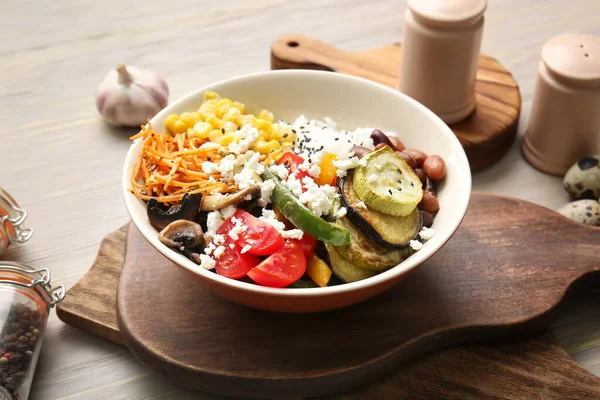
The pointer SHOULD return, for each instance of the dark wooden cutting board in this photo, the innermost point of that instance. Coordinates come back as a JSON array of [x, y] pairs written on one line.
[[501, 277], [486, 135]]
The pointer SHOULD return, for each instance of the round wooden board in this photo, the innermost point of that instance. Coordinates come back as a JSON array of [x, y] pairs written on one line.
[[486, 135], [501, 277]]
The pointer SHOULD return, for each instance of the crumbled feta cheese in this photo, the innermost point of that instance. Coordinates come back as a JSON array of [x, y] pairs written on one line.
[[314, 170], [372, 178], [269, 217], [308, 181], [209, 167], [250, 135], [294, 185], [214, 220], [292, 234], [212, 179], [218, 239], [231, 246], [427, 233], [209, 249], [280, 170], [316, 200], [361, 204], [304, 166], [248, 197], [228, 211], [252, 169], [362, 162], [317, 158], [344, 165], [206, 262], [227, 165], [341, 212], [246, 248], [238, 228], [219, 251], [416, 245], [266, 191]]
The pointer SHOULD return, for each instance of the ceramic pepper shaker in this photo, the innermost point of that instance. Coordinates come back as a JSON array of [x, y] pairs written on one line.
[[440, 52], [565, 114]]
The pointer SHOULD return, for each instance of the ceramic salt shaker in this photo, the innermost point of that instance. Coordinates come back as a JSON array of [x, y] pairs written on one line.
[[440, 53], [565, 114]]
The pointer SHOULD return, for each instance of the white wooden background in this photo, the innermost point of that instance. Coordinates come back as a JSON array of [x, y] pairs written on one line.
[[63, 163]]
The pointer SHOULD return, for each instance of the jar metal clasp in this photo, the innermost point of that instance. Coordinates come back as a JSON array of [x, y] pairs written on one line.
[[11, 219], [37, 279]]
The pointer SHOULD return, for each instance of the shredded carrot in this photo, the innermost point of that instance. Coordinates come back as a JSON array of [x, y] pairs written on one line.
[[169, 167]]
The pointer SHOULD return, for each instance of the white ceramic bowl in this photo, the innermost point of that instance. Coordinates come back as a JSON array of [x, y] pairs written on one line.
[[352, 103]]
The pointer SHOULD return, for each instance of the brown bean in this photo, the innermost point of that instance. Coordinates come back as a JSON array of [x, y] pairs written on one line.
[[430, 186], [360, 151], [427, 219], [435, 167], [380, 145], [429, 203], [409, 160], [380, 137], [397, 145], [418, 155], [421, 174]]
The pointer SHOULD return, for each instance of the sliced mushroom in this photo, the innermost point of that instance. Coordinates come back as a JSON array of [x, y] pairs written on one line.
[[217, 202], [161, 216], [182, 234]]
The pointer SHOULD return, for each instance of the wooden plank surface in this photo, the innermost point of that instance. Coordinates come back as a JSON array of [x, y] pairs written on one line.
[[63, 164]]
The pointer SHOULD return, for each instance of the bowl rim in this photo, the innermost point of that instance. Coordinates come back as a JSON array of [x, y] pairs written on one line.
[[389, 275]]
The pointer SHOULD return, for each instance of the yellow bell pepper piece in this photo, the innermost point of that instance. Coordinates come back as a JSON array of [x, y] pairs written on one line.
[[318, 270]]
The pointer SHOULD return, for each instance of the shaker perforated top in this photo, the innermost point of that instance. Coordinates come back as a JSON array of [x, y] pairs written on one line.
[[574, 56], [448, 11]]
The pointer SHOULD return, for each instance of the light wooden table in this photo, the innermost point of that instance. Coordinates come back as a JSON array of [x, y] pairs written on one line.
[[63, 163]]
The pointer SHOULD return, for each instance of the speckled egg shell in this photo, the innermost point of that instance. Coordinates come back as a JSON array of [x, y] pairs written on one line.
[[584, 211], [582, 180]]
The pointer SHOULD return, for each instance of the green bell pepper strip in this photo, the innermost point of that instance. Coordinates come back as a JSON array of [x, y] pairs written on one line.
[[303, 218]]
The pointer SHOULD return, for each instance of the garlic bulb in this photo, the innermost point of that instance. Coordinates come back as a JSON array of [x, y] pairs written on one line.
[[130, 96]]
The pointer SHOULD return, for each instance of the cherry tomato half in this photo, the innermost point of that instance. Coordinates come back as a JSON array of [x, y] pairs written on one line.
[[233, 264], [307, 244], [281, 268], [292, 162], [261, 236]]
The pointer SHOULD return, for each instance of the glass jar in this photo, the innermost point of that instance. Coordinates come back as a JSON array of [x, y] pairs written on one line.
[[26, 298], [11, 220]]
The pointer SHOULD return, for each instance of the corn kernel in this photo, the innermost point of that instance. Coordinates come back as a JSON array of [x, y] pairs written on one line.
[[232, 114], [265, 147], [223, 106], [210, 96], [215, 135], [259, 145], [230, 127], [187, 119], [243, 120], [179, 127], [207, 109], [239, 106], [214, 121], [264, 135], [170, 121], [226, 139], [200, 130], [266, 115], [196, 117], [263, 124]]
